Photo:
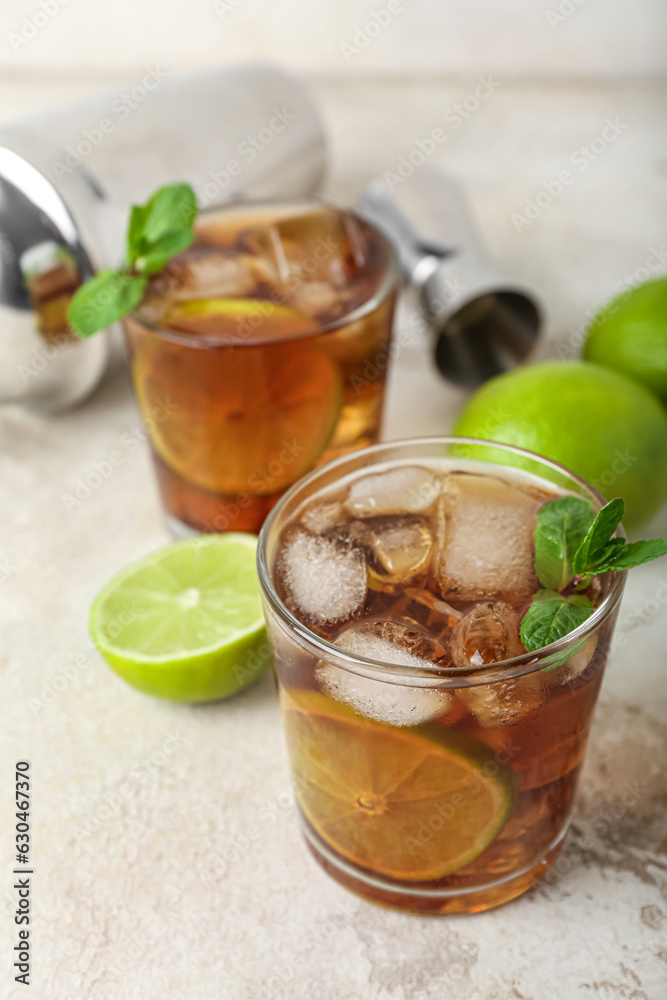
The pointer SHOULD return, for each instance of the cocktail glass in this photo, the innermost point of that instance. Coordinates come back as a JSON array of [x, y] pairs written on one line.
[[428, 777], [259, 353]]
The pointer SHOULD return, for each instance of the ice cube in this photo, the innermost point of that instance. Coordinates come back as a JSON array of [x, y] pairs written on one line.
[[322, 516], [486, 635], [578, 664], [395, 704], [487, 547], [316, 299], [410, 637], [504, 702], [323, 578], [325, 246], [210, 273], [422, 614], [406, 489], [399, 550]]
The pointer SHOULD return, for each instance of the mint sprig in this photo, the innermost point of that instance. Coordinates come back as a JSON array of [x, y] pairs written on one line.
[[571, 546], [156, 232]]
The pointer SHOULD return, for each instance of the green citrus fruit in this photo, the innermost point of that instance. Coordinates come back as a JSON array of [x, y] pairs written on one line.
[[185, 622], [630, 335], [604, 426]]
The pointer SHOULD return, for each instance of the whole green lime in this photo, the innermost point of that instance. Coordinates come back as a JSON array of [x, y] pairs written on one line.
[[630, 335], [604, 426]]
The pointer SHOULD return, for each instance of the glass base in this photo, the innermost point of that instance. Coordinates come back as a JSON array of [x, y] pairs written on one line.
[[179, 529], [432, 901]]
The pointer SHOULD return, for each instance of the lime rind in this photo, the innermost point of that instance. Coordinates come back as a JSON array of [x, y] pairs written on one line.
[[185, 622], [116, 602], [240, 307]]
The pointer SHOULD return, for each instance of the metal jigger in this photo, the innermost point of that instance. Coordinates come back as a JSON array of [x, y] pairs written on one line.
[[68, 178], [481, 322]]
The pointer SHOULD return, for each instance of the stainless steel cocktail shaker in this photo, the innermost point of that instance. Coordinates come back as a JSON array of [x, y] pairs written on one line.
[[68, 177]]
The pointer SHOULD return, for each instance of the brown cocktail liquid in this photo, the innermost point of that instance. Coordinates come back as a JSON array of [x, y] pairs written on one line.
[[259, 353], [427, 796]]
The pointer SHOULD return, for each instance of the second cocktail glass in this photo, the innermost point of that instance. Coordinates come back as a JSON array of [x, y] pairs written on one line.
[[259, 353]]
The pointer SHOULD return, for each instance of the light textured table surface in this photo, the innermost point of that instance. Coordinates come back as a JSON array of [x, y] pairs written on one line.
[[197, 886]]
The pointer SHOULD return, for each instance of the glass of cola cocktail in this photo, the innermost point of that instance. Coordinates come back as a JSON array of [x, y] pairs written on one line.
[[435, 761], [260, 352]]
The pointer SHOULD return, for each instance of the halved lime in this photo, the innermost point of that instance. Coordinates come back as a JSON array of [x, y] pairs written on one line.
[[401, 802], [185, 622]]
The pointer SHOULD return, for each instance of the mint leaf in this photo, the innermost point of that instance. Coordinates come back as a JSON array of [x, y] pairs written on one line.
[[625, 556], [562, 526], [552, 616], [134, 244], [157, 254], [171, 207], [598, 542], [107, 297], [600, 553]]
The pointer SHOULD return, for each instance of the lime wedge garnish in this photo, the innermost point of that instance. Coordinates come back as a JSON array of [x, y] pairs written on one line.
[[185, 622]]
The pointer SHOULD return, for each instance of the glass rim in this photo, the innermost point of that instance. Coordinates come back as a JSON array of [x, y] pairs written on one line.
[[486, 673], [390, 280]]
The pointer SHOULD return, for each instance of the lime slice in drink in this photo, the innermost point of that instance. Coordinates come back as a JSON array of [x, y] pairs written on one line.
[[251, 421], [395, 801], [253, 320], [232, 307], [185, 622]]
